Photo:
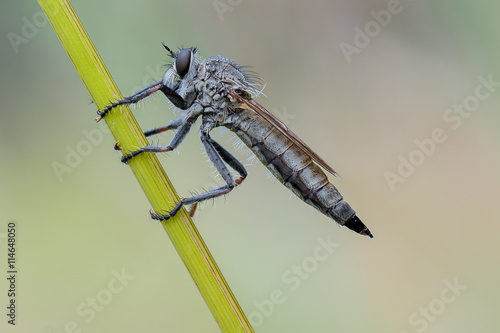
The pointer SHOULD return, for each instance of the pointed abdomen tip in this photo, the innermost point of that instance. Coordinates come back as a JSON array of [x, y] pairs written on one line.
[[355, 224]]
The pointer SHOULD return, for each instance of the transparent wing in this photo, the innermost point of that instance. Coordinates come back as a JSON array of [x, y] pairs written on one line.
[[280, 126]]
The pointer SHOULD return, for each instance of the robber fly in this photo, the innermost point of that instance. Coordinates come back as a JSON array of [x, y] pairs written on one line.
[[222, 93]]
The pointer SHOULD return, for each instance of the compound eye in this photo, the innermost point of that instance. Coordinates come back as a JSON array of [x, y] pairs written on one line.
[[183, 61]]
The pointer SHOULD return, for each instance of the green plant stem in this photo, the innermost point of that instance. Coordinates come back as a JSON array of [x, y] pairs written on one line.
[[146, 167]]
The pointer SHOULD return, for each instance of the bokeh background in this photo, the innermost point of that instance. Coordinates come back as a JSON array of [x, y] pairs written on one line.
[[433, 265]]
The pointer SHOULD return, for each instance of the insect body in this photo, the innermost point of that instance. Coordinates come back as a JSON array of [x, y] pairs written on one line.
[[222, 93]]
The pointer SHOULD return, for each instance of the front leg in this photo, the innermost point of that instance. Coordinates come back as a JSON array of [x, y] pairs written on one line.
[[135, 98], [173, 97]]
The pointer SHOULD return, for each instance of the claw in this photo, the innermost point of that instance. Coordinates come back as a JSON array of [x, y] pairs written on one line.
[[118, 146], [158, 217], [101, 115], [127, 157], [108, 108]]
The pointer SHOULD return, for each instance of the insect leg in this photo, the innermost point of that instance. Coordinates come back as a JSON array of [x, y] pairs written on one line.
[[174, 97], [138, 96], [172, 125], [178, 137], [218, 155], [229, 159]]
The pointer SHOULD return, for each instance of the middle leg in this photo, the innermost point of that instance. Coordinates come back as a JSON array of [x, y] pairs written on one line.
[[174, 124], [183, 125]]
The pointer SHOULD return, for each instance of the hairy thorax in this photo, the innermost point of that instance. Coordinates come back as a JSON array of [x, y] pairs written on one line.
[[216, 77]]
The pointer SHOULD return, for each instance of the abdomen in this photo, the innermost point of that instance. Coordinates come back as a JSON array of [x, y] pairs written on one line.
[[295, 169]]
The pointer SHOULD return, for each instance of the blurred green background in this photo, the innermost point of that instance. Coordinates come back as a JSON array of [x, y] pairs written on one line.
[[433, 264]]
